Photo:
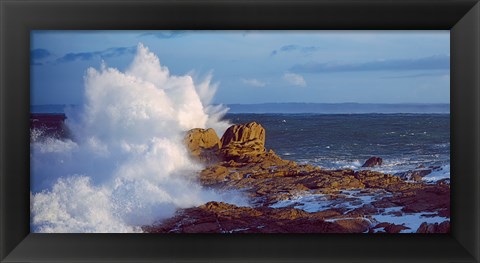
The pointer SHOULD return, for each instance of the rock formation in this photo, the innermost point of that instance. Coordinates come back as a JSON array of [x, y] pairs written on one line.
[[218, 217], [203, 144], [443, 227], [372, 162], [239, 161], [418, 173], [243, 142]]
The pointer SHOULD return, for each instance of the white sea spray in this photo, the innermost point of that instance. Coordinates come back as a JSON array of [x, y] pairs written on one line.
[[126, 165]]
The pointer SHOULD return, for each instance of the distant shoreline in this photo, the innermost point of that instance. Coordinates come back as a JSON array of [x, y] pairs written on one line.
[[340, 108], [301, 108]]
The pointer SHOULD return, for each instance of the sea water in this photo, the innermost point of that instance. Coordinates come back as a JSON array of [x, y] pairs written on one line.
[[339, 141]]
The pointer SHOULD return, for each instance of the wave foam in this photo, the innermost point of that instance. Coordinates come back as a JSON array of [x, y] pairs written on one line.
[[126, 166]]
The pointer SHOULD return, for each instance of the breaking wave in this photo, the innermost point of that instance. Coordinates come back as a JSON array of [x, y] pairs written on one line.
[[125, 165]]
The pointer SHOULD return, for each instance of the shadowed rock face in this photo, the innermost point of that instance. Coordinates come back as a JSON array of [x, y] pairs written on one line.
[[218, 217], [418, 174], [443, 227], [372, 162], [354, 198], [203, 144]]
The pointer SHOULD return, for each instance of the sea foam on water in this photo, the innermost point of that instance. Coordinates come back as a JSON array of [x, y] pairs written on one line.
[[126, 165]]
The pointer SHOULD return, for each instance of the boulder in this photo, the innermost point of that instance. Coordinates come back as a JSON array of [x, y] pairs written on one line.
[[242, 142], [372, 162], [203, 144], [356, 225], [443, 227], [391, 228]]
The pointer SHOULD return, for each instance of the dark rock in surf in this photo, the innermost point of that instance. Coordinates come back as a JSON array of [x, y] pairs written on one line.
[[372, 162], [414, 175]]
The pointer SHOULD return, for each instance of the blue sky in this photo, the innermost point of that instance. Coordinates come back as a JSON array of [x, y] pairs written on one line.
[[258, 66]]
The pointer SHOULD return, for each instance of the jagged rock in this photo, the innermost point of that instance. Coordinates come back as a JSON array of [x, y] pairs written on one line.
[[218, 217], [373, 179], [239, 161], [414, 175], [203, 144], [356, 225], [443, 227], [242, 142], [391, 228], [420, 198], [372, 162]]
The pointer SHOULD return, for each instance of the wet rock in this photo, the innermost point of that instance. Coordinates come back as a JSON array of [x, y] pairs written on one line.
[[218, 217], [414, 175], [354, 225], [390, 228], [239, 161], [445, 181], [393, 228], [372, 162], [443, 227], [203, 144], [372, 179]]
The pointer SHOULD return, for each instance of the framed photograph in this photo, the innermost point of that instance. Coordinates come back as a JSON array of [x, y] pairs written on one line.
[[230, 131]]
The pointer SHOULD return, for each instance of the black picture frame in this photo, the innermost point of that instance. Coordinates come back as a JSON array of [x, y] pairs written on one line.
[[18, 17]]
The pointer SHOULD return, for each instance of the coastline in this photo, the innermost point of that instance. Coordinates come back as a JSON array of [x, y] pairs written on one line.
[[287, 197]]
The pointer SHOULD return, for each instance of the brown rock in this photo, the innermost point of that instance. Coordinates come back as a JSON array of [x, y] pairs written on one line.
[[390, 228], [354, 225], [218, 217], [242, 142], [244, 133], [430, 198], [393, 229], [373, 161], [203, 144], [214, 174], [443, 227], [243, 163]]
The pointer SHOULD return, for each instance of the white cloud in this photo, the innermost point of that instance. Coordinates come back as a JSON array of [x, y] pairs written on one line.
[[254, 82], [295, 79]]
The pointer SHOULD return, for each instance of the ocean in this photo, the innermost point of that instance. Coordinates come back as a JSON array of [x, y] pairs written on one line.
[[339, 141], [124, 164], [115, 179]]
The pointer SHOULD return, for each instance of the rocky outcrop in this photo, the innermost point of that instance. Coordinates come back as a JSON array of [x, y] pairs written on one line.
[[443, 227], [243, 142], [239, 161], [372, 162], [418, 173], [389, 228], [203, 144], [218, 217]]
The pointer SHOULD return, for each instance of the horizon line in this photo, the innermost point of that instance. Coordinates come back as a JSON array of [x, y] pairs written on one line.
[[394, 103]]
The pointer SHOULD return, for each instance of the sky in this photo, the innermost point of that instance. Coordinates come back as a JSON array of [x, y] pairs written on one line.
[[257, 66]]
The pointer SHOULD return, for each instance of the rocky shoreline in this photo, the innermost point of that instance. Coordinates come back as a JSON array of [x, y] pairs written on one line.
[[287, 197]]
